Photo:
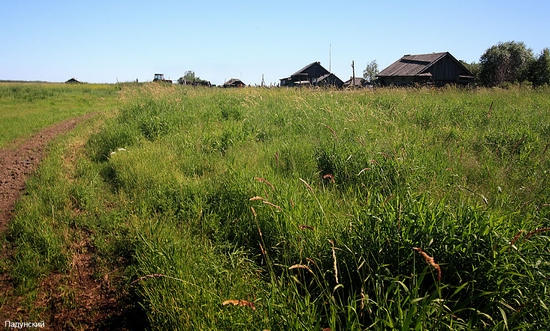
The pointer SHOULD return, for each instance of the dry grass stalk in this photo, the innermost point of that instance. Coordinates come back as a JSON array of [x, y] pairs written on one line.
[[534, 232], [147, 277], [262, 180], [306, 227], [307, 185], [254, 212], [242, 303], [272, 205], [334, 261], [256, 198], [300, 266], [329, 176], [516, 237], [331, 130], [387, 199], [430, 261]]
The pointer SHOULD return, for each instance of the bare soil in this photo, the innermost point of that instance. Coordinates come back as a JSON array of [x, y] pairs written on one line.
[[19, 162], [79, 300]]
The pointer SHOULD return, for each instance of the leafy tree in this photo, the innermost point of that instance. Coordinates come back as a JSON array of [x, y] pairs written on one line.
[[539, 72], [370, 72], [189, 76], [474, 68], [505, 62]]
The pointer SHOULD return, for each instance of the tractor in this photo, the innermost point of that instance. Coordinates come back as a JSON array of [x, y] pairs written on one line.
[[160, 78]]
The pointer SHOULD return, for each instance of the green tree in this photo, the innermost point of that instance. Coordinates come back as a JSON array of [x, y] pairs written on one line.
[[505, 62], [539, 72], [474, 68], [370, 72], [189, 76]]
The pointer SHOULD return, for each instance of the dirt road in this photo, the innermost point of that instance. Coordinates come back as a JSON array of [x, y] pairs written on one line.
[[17, 164]]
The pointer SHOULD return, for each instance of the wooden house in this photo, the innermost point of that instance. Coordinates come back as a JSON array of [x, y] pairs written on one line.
[[73, 81], [314, 74], [359, 82], [432, 69], [234, 82]]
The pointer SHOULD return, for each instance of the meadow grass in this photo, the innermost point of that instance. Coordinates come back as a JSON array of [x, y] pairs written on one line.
[[25, 108], [298, 209]]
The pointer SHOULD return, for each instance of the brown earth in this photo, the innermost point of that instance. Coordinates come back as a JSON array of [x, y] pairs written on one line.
[[77, 300], [16, 164]]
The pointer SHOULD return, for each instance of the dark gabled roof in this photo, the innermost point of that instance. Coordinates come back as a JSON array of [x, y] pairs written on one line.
[[358, 81], [72, 80], [304, 69], [414, 65], [233, 81], [327, 76]]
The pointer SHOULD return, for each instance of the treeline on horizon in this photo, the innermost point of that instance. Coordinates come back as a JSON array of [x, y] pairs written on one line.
[[511, 62]]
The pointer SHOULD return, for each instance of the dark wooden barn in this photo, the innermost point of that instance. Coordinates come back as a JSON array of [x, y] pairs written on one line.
[[328, 80], [234, 82], [314, 74], [359, 82], [432, 69], [73, 81]]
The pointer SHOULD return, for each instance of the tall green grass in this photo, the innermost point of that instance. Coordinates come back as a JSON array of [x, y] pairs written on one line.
[[307, 209]]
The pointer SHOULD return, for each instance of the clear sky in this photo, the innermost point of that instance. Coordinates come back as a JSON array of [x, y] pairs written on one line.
[[105, 41]]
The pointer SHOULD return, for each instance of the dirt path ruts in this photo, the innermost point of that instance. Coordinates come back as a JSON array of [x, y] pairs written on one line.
[[97, 305], [17, 164]]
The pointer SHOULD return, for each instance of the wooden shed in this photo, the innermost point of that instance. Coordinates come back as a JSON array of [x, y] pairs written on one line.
[[359, 82], [73, 81], [234, 82], [312, 74], [434, 69]]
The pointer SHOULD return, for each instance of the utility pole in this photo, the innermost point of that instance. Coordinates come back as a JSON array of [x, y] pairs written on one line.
[[353, 73]]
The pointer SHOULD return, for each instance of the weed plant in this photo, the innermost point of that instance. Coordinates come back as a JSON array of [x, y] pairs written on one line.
[[299, 209]]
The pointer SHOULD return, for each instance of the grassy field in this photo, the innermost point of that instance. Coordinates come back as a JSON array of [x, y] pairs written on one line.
[[25, 108], [284, 209]]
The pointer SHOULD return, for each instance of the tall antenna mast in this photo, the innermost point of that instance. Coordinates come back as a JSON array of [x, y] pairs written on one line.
[[329, 57]]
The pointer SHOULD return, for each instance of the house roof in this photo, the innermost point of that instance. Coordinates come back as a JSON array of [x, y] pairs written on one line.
[[72, 80], [413, 65], [307, 67], [357, 81], [234, 81]]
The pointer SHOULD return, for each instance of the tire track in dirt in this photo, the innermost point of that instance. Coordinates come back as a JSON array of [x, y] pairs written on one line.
[[16, 165]]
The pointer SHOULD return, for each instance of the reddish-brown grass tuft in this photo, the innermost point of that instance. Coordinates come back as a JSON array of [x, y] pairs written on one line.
[[242, 303], [534, 232], [430, 261]]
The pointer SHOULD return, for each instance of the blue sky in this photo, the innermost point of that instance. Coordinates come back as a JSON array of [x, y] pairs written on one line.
[[107, 41]]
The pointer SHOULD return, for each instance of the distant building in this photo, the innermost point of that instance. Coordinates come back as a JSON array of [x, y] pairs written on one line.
[[357, 83], [433, 69], [73, 81], [314, 74], [233, 82]]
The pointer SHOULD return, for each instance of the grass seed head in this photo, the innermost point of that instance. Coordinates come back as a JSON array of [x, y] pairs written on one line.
[[430, 260]]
